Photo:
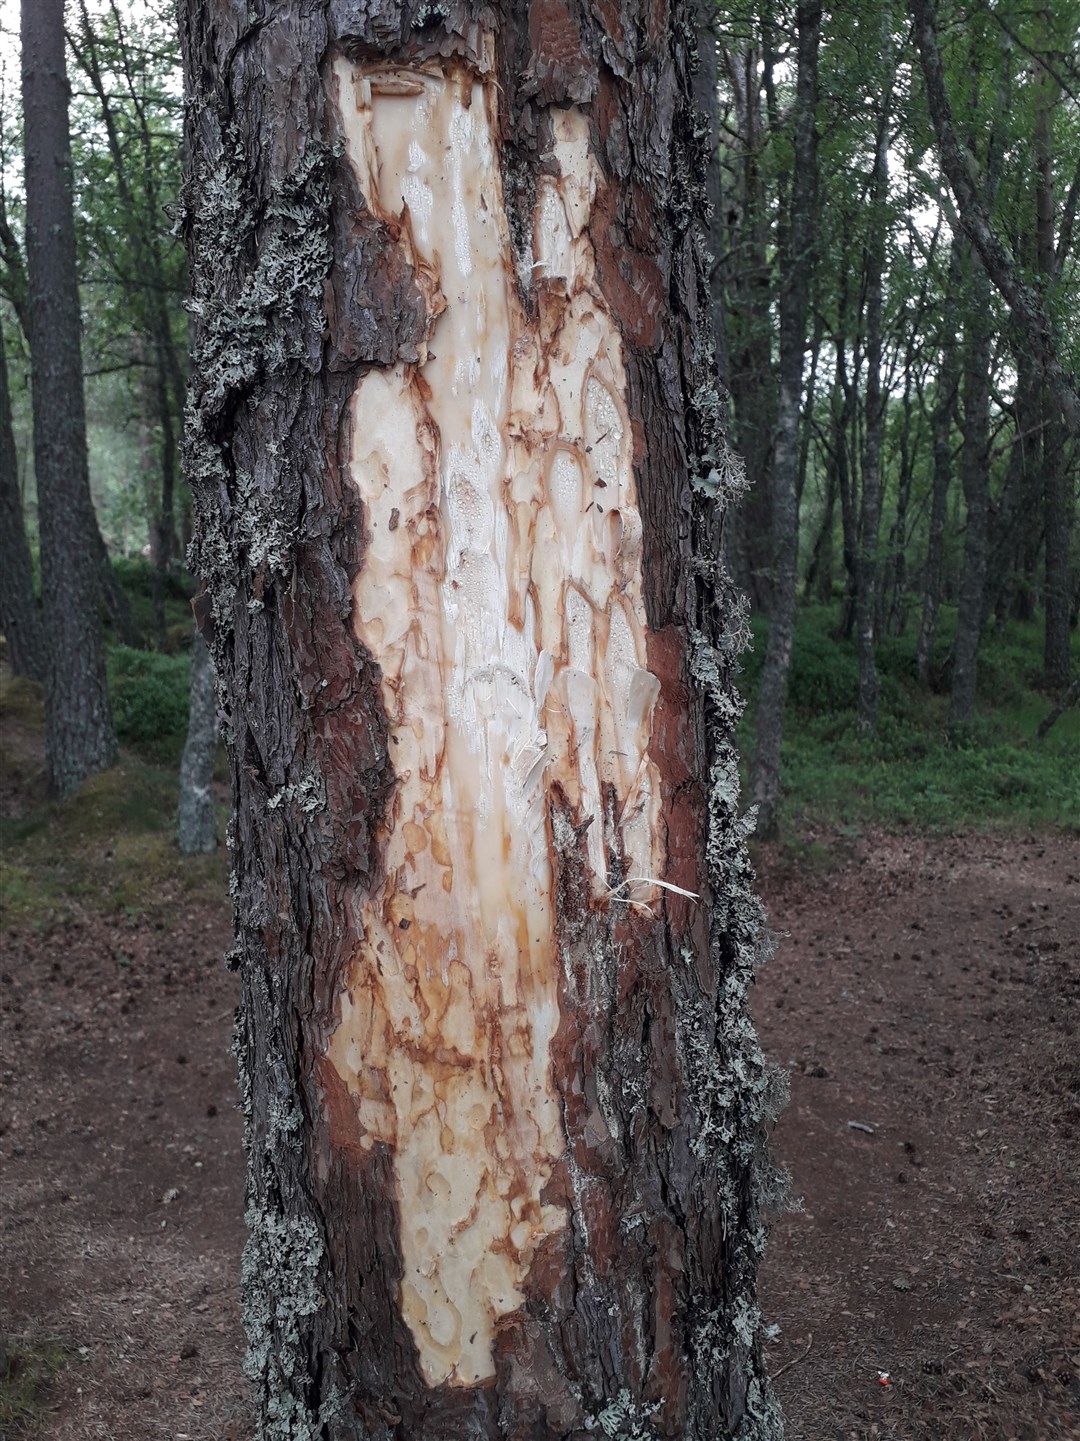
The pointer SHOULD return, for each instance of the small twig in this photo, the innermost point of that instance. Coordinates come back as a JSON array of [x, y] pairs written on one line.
[[794, 1361]]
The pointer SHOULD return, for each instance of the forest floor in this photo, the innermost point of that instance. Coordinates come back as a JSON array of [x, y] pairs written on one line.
[[926, 990]]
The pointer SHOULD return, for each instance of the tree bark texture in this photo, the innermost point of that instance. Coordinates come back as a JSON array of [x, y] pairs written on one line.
[[797, 252], [20, 615], [455, 445], [79, 734], [196, 827]]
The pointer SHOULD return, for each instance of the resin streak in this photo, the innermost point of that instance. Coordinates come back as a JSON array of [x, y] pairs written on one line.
[[501, 595]]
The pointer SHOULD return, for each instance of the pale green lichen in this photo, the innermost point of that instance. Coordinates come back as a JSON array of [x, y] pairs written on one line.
[[308, 794], [261, 326], [626, 1419]]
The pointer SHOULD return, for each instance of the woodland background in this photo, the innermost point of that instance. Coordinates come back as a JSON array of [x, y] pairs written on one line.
[[910, 527]]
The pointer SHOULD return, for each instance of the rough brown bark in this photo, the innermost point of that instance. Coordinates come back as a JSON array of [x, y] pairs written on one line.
[[628, 1308], [79, 735]]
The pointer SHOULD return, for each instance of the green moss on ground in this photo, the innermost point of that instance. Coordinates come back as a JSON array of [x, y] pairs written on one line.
[[912, 772], [26, 1373], [109, 848]]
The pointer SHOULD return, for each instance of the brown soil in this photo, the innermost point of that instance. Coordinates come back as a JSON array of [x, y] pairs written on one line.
[[927, 990]]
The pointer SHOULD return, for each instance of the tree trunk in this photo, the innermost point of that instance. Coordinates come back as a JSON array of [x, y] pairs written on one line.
[[975, 478], [20, 616], [1057, 661], [1029, 314], [866, 561], [748, 274], [454, 444], [196, 827], [706, 97], [79, 734], [948, 381], [797, 258]]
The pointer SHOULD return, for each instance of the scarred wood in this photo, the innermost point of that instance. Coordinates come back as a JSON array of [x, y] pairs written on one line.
[[452, 439]]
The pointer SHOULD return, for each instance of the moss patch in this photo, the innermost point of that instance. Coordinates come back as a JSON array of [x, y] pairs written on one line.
[[110, 847], [26, 1373]]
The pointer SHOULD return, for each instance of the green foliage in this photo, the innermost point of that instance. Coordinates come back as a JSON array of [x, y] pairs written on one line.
[[911, 771], [135, 575], [149, 694], [26, 1371]]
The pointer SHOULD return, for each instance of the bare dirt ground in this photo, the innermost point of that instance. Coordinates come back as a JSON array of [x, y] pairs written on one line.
[[929, 991]]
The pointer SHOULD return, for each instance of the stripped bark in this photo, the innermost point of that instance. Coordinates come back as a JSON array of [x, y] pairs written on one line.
[[455, 446], [79, 734]]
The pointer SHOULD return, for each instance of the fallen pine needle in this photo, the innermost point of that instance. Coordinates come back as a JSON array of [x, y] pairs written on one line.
[[794, 1360]]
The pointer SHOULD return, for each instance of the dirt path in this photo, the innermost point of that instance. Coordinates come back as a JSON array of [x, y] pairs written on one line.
[[929, 991], [121, 1213]]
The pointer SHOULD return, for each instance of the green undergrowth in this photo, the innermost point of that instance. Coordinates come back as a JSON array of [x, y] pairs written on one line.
[[26, 1374], [110, 848], [912, 772], [135, 577]]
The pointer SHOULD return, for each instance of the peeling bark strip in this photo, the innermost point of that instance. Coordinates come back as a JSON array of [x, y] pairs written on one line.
[[454, 440], [501, 595]]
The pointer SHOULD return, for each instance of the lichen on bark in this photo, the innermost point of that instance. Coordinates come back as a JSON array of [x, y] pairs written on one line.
[[320, 312]]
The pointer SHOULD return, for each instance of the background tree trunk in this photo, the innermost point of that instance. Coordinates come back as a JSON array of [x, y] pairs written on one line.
[[79, 734], [866, 562], [20, 616], [941, 430], [797, 251], [196, 827], [455, 443]]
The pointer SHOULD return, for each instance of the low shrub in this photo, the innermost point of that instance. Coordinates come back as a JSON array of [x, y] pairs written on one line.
[[149, 694]]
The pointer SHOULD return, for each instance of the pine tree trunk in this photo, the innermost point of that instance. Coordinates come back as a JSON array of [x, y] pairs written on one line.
[[79, 734], [454, 444], [20, 615]]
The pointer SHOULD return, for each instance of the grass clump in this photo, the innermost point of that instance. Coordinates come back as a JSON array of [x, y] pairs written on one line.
[[149, 694], [26, 1373], [109, 848], [912, 771]]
